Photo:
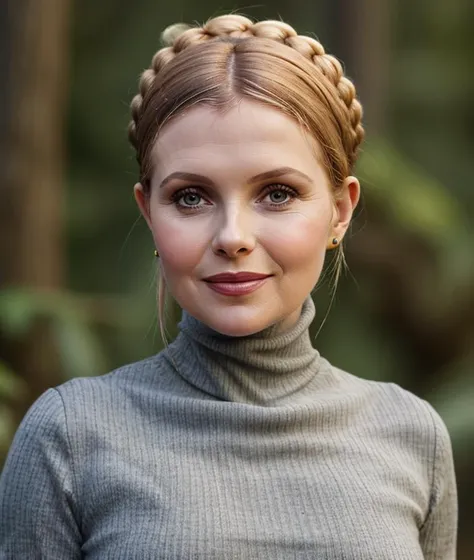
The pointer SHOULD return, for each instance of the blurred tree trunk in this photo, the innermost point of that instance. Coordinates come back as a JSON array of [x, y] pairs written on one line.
[[32, 144], [362, 40]]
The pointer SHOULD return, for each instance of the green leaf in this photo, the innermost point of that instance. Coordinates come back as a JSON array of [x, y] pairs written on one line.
[[417, 201], [454, 401], [11, 386], [80, 350], [17, 311], [7, 429]]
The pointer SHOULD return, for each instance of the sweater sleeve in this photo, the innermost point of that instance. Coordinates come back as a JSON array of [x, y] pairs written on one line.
[[439, 532], [37, 501]]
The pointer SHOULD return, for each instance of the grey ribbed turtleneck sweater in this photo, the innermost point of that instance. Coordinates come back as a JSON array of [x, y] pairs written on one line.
[[253, 448]]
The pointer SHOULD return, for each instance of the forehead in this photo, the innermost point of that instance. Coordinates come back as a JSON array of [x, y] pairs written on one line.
[[249, 134]]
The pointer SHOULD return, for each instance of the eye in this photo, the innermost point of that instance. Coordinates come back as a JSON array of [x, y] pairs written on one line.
[[280, 195], [187, 199], [277, 196], [191, 199]]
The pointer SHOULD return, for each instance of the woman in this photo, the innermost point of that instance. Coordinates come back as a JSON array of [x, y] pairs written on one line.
[[238, 440]]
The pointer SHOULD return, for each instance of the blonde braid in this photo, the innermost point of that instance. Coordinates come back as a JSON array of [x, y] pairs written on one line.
[[179, 37]]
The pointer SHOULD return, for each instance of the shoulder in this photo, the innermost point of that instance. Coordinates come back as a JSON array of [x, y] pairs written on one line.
[[401, 423], [397, 412], [86, 411], [83, 401], [43, 420], [118, 383]]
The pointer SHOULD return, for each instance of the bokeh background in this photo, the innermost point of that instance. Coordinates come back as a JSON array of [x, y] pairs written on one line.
[[77, 273]]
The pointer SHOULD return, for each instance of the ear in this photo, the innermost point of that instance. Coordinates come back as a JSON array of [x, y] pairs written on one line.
[[143, 202], [344, 206]]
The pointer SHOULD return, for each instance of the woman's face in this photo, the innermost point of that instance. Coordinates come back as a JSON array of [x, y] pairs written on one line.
[[241, 191]]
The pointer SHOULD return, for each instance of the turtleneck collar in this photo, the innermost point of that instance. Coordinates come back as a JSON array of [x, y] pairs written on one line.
[[267, 368]]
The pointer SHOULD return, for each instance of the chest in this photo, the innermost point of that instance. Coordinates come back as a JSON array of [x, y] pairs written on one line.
[[221, 497]]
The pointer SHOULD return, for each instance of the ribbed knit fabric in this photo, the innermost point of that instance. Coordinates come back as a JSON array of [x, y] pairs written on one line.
[[253, 448]]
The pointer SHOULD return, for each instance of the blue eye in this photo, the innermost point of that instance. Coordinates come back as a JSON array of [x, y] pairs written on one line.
[[279, 195], [281, 191], [192, 198], [282, 195]]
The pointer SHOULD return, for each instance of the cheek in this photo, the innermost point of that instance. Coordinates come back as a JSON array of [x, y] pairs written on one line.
[[301, 241], [180, 245]]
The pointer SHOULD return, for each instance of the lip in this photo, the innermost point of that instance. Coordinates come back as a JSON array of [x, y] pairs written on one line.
[[237, 288], [229, 277]]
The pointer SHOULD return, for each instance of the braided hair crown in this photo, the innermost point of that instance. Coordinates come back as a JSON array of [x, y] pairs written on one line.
[[181, 37]]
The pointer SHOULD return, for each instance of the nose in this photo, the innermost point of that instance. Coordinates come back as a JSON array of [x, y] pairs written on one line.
[[234, 233]]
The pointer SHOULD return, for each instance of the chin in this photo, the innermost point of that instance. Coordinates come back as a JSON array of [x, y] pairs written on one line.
[[234, 325], [236, 330]]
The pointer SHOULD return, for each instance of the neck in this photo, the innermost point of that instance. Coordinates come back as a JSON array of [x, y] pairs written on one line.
[[267, 368]]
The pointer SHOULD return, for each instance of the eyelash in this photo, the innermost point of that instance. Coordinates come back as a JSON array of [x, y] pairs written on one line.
[[175, 197]]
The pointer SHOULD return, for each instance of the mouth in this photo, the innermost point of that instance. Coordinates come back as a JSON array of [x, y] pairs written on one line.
[[232, 277], [237, 288]]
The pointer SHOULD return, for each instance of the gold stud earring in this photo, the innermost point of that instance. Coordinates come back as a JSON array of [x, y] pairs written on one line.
[[156, 253]]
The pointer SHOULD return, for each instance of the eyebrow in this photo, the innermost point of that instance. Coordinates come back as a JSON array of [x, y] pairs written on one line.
[[278, 172]]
